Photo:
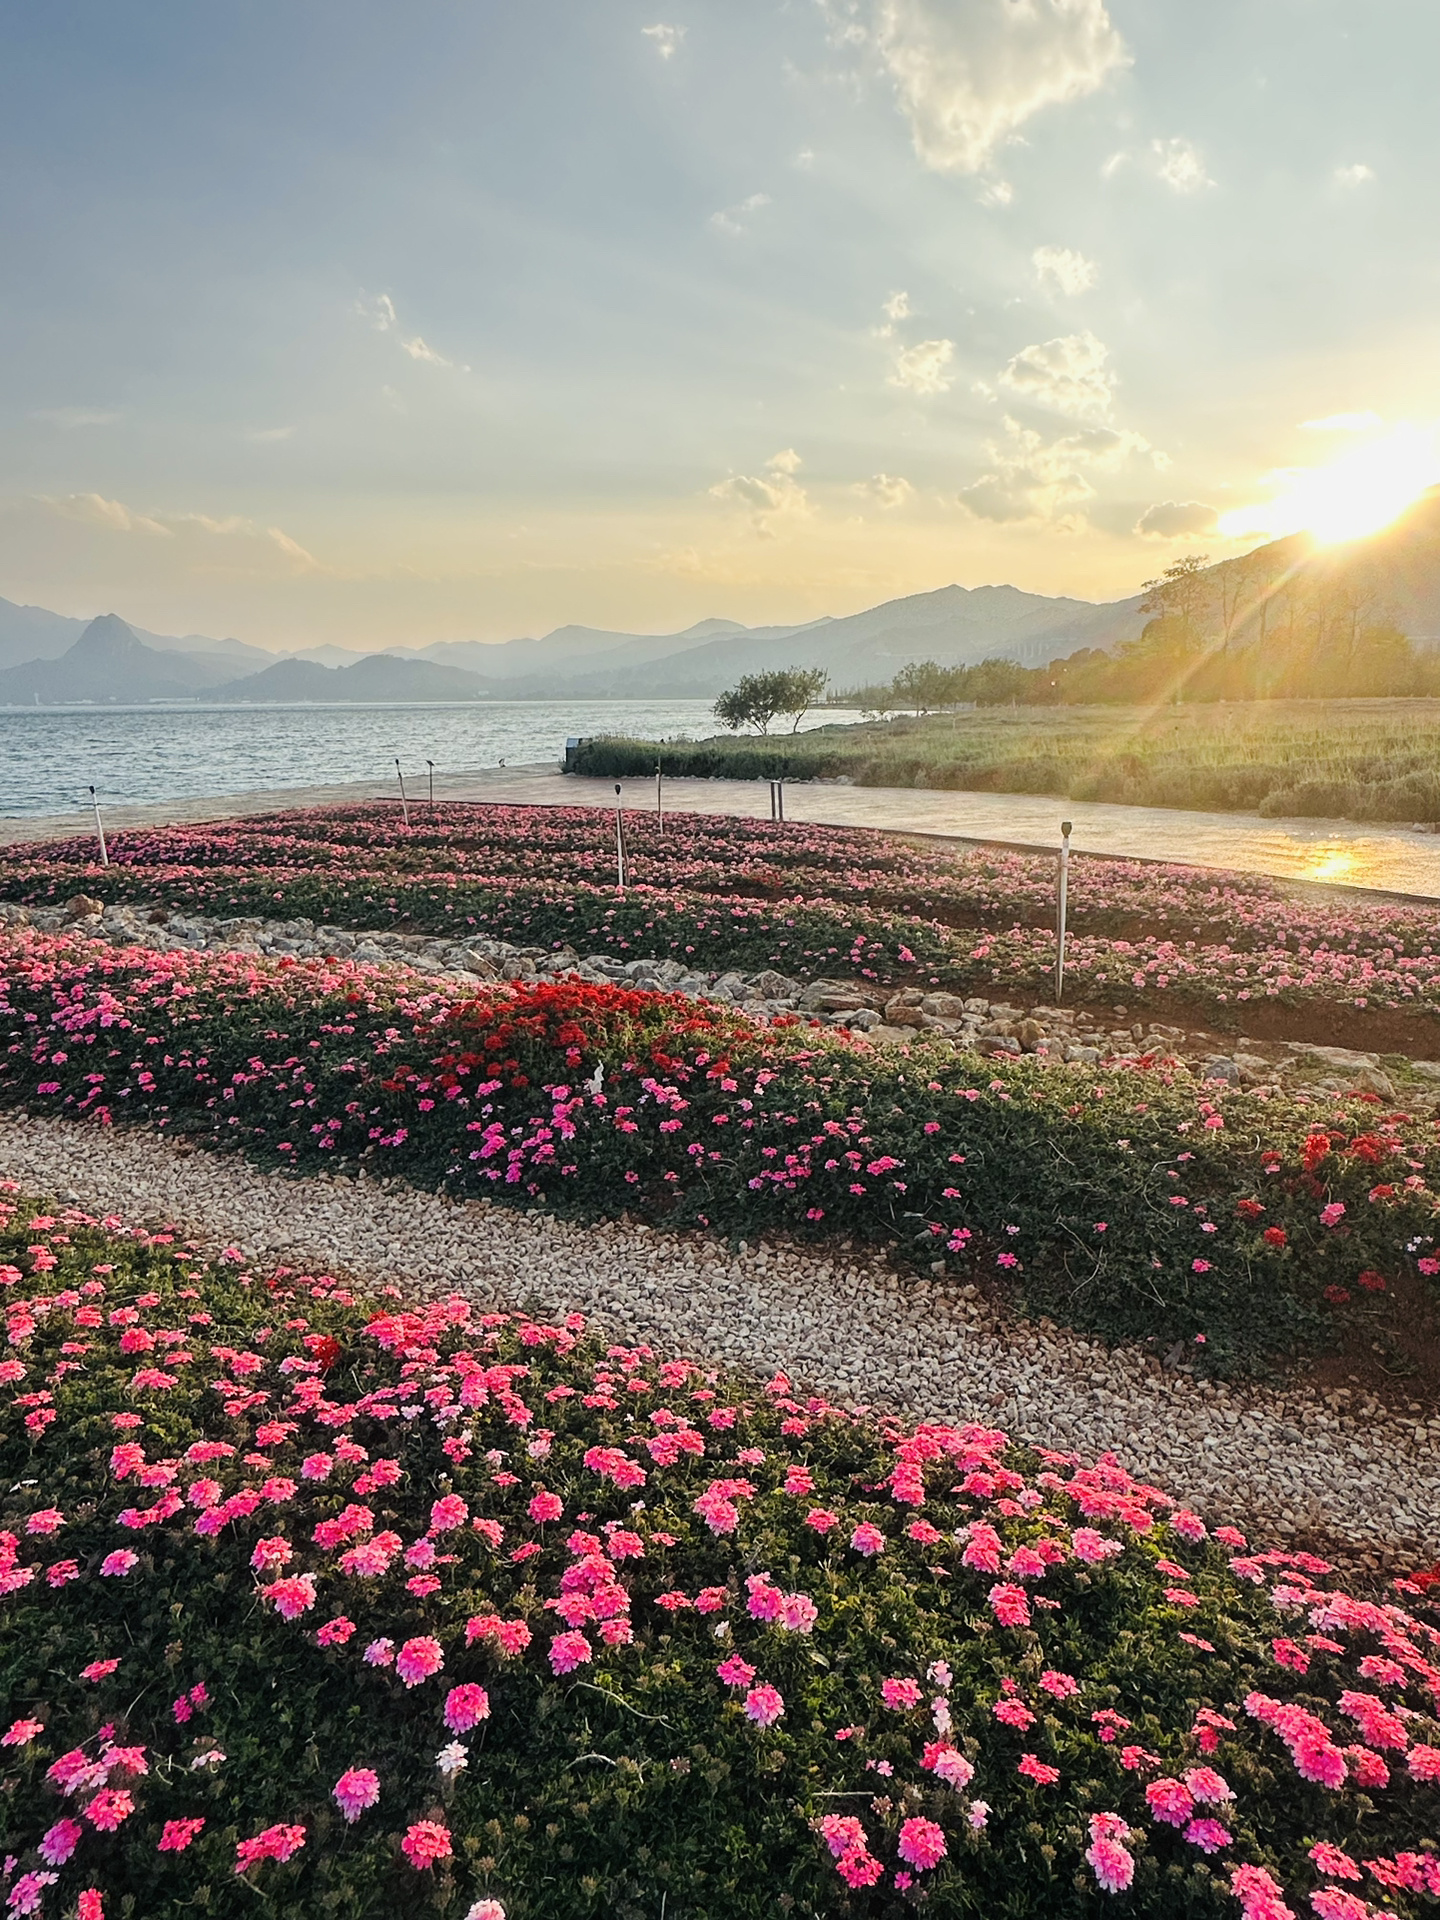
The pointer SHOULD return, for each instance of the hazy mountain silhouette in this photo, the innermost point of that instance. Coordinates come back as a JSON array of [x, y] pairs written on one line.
[[109, 664]]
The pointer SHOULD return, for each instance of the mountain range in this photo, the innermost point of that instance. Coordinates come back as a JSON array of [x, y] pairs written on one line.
[[49, 658]]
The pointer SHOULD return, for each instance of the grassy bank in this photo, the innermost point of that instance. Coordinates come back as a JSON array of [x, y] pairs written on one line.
[[1348, 759]]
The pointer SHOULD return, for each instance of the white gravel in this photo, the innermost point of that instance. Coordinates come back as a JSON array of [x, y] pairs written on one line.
[[1286, 1464]]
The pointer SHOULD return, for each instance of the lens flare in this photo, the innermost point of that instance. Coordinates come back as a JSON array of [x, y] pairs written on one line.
[[1361, 492]]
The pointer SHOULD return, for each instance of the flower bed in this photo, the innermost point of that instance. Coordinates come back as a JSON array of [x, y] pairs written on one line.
[[367, 1609], [809, 900], [1134, 1202]]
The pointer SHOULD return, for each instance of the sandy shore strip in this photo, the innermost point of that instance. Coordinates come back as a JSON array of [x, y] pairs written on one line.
[[1285, 1463]]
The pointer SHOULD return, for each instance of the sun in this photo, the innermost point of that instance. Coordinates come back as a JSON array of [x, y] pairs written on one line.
[[1361, 492]]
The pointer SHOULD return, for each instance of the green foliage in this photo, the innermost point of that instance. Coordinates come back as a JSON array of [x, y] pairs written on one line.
[[759, 697]]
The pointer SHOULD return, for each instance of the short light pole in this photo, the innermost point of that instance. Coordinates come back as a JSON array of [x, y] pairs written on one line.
[[431, 765], [1062, 894], [659, 799], [99, 829], [619, 843], [404, 803]]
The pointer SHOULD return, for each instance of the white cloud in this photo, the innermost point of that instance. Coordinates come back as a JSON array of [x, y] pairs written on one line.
[[735, 219], [1177, 520], [67, 419], [772, 498], [922, 368], [665, 39], [1177, 162], [1067, 375], [111, 514], [379, 310], [1031, 478], [1063, 270], [263, 435], [805, 158], [969, 73], [1344, 422], [1355, 176], [897, 307], [886, 490]]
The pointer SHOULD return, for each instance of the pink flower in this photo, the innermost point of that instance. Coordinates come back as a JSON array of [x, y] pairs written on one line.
[[947, 1763], [380, 1653], [28, 1891], [921, 1843], [1009, 1605], [21, 1732], [335, 1632], [176, 1835], [292, 1596], [57, 1843], [1424, 1763], [116, 1565], [1170, 1801], [821, 1520], [1206, 1785], [90, 1905], [275, 1843], [425, 1842], [899, 1695], [545, 1506], [99, 1669], [798, 1613], [568, 1651], [355, 1790], [466, 1706], [1111, 1862], [486, 1910], [418, 1659], [1059, 1686], [763, 1705], [1209, 1835], [1331, 1216], [109, 1809], [868, 1540], [736, 1672], [1035, 1769], [859, 1868], [449, 1513], [271, 1553], [1330, 1860]]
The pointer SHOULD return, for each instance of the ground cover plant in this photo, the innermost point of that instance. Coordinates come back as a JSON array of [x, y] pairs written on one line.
[[1352, 759], [1136, 1201], [811, 901], [317, 1605]]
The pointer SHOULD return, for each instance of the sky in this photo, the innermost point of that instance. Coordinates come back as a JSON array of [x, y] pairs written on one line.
[[333, 320]]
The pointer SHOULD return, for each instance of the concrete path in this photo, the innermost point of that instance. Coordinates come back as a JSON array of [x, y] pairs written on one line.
[[1336, 852]]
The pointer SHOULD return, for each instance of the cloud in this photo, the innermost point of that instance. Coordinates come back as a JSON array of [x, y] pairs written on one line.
[[1177, 519], [665, 39], [111, 514], [379, 310], [1067, 375], [1344, 422], [805, 158], [734, 219], [1063, 270], [886, 490], [772, 497], [1177, 162], [1031, 478], [1355, 176], [67, 419], [897, 307], [263, 435], [921, 368], [969, 73]]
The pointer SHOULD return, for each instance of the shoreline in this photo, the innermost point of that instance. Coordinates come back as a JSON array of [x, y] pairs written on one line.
[[1332, 856]]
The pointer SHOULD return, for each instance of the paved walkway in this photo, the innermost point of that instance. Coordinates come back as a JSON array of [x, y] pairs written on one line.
[[1335, 851]]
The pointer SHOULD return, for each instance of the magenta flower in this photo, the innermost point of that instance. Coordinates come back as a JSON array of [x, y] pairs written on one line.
[[868, 1540], [116, 1565], [21, 1732], [448, 1513], [899, 1695], [568, 1651], [57, 1843], [763, 1705], [466, 1706], [109, 1809], [176, 1835], [292, 1596], [275, 1843], [545, 1506], [921, 1843], [418, 1659], [1111, 1862], [425, 1842], [355, 1790]]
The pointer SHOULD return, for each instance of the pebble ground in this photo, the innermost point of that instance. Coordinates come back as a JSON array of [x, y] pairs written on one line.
[[1285, 1463]]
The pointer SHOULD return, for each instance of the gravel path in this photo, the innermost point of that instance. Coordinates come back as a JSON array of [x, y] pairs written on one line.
[[1287, 1464]]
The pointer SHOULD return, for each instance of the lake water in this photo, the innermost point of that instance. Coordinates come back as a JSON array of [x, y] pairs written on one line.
[[51, 756]]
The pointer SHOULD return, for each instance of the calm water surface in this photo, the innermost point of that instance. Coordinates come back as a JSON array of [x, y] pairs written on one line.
[[51, 756]]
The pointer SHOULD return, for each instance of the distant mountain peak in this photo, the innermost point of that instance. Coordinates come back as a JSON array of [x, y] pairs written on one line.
[[108, 633]]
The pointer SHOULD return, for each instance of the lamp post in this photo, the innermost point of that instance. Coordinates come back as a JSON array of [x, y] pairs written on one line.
[[1061, 898], [619, 844], [431, 765], [100, 829], [659, 798], [404, 803]]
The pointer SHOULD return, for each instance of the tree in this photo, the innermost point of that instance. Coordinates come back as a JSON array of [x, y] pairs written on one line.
[[922, 685], [1181, 597], [757, 698]]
